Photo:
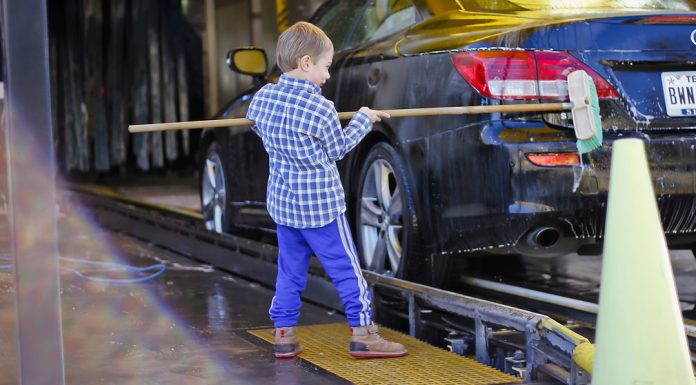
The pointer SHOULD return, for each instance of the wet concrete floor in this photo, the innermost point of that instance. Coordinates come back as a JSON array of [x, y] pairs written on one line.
[[186, 326]]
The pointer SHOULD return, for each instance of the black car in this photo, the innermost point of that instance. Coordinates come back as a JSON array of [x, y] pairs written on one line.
[[423, 189]]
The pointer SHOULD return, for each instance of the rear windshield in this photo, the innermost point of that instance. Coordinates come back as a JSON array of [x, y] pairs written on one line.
[[439, 6]]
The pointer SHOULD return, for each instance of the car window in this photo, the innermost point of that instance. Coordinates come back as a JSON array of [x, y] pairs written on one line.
[[337, 20], [382, 18]]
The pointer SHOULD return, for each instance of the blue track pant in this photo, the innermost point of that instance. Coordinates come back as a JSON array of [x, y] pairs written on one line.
[[333, 245]]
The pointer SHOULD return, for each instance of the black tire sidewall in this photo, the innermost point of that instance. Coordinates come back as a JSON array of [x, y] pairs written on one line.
[[410, 242]]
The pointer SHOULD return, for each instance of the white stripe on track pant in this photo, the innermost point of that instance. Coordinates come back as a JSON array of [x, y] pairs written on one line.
[[333, 245]]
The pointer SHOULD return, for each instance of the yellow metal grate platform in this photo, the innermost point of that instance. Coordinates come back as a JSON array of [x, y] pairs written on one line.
[[327, 347]]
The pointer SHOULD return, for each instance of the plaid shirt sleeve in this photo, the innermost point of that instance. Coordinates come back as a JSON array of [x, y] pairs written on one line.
[[338, 141]]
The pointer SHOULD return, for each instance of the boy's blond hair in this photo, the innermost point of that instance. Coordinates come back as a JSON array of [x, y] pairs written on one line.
[[300, 39]]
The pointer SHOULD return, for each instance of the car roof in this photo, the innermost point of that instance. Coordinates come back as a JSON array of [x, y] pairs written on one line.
[[449, 27], [437, 7]]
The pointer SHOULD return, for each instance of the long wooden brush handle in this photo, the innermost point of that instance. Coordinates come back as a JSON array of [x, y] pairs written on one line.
[[400, 113]]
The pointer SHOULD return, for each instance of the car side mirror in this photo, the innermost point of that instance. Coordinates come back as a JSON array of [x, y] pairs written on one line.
[[248, 61]]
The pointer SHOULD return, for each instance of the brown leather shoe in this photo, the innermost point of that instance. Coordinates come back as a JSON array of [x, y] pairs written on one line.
[[286, 344], [366, 342]]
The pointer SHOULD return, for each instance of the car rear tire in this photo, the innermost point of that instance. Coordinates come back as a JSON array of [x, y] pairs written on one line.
[[215, 192], [387, 236]]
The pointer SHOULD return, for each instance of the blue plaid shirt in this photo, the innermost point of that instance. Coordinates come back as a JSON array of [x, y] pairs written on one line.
[[304, 139]]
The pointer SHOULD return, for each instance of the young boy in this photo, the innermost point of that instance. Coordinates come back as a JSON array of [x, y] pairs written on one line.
[[303, 137]]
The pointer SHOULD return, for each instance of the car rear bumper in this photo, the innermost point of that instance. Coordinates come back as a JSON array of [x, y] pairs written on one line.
[[556, 210]]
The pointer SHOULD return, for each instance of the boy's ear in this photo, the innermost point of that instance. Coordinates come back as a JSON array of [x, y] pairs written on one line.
[[304, 62]]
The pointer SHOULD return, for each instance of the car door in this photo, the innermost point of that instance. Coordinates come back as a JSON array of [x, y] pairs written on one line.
[[337, 19], [359, 65], [247, 166]]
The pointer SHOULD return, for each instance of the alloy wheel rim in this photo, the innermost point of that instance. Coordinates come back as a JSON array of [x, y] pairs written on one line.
[[213, 193], [381, 223]]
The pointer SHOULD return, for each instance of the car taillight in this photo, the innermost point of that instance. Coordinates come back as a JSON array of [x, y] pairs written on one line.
[[554, 159], [524, 74]]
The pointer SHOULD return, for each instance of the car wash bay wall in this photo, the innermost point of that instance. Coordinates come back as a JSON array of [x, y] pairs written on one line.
[[121, 62], [118, 62]]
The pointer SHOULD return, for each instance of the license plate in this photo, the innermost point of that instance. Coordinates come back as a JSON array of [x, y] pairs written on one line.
[[680, 93]]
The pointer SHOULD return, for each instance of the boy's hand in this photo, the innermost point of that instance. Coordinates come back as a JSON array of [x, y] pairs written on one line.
[[374, 115]]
